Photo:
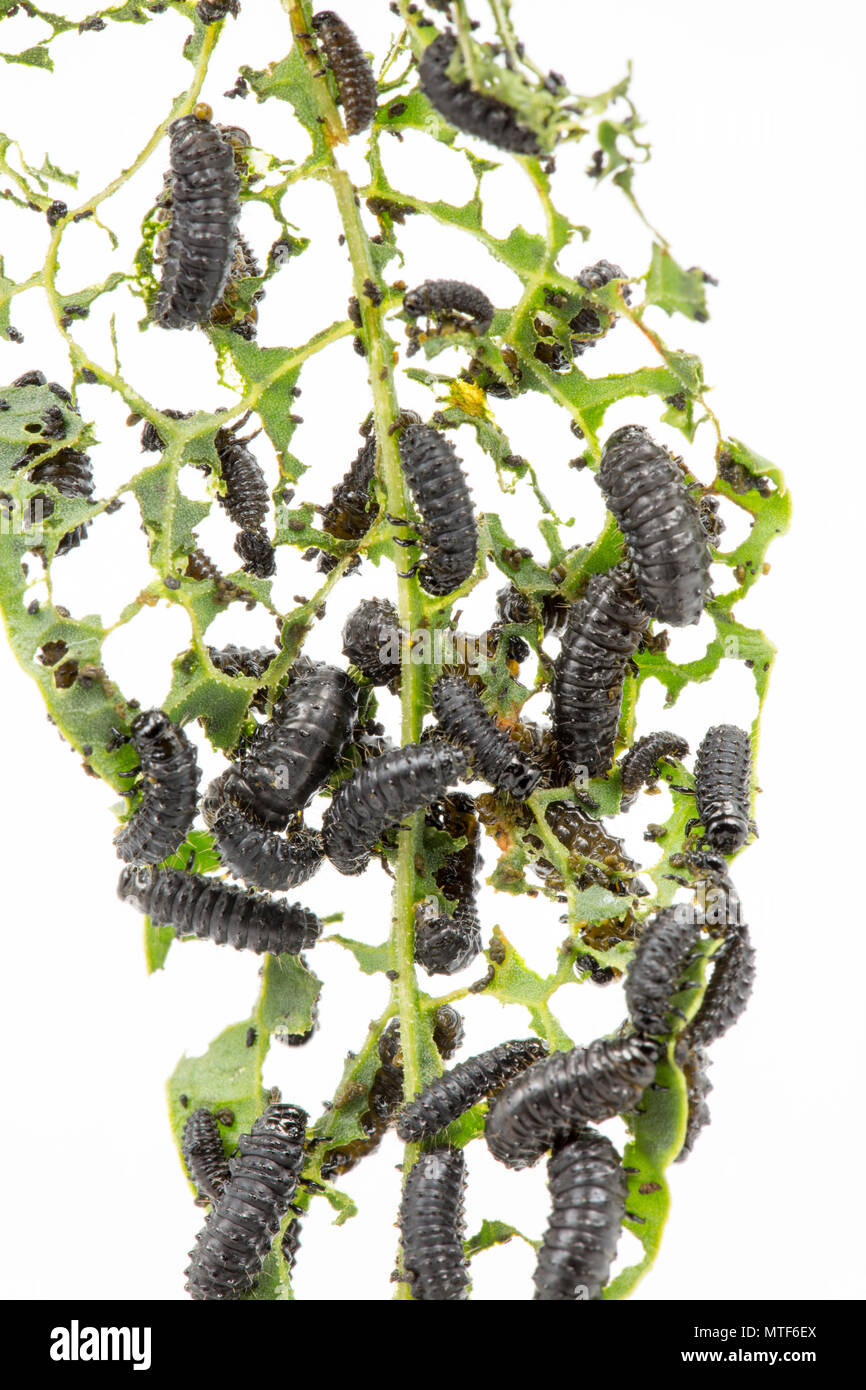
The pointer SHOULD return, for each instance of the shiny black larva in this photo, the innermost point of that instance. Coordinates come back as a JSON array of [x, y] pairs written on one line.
[[600, 638], [431, 1228], [695, 1063], [246, 491], [292, 755], [203, 1153], [468, 110], [722, 776], [495, 757], [447, 942], [231, 1248], [203, 188], [586, 320], [212, 11], [263, 858], [169, 776], [214, 911], [728, 991], [451, 1095], [588, 1195], [449, 531], [351, 511], [447, 305], [380, 794], [652, 979], [666, 543], [546, 1104], [371, 641], [351, 68], [640, 764]]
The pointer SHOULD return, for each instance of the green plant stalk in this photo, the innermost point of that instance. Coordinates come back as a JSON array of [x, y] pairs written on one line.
[[386, 408]]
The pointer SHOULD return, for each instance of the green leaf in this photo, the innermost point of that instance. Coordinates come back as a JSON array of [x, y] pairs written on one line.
[[492, 1233], [675, 290], [224, 1078], [288, 998], [37, 57], [373, 960]]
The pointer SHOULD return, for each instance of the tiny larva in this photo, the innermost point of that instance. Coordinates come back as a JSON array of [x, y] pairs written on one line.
[[351, 68], [449, 531], [722, 776], [204, 1155], [446, 942], [169, 779]]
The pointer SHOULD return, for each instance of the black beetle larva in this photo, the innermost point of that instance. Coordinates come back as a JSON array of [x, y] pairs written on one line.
[[463, 107], [204, 1155], [662, 954], [728, 991], [451, 1095], [203, 188], [237, 1235], [431, 1228], [640, 762], [451, 304], [694, 1062], [667, 545], [351, 512], [495, 757], [588, 1195], [380, 794], [351, 68], [722, 776], [449, 531], [212, 11], [556, 1096], [371, 640], [601, 637], [214, 911], [586, 320], [447, 943], [169, 776], [263, 858]]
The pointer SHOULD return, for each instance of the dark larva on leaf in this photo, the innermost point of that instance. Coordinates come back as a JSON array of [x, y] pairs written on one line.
[[495, 757], [290, 757], [237, 1235], [203, 187], [448, 305], [447, 943], [262, 858], [246, 492], [350, 513], [588, 1195], [646, 492], [203, 1154], [352, 71], [431, 1228], [169, 779], [695, 1065], [546, 1104], [601, 637], [662, 954], [448, 527], [587, 320], [291, 1242], [380, 794], [451, 1095], [244, 661], [640, 763], [728, 991], [371, 640], [70, 473], [514, 607], [468, 110], [257, 553], [212, 11], [722, 776], [214, 911]]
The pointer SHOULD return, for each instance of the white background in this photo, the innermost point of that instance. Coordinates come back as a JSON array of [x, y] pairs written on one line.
[[757, 174]]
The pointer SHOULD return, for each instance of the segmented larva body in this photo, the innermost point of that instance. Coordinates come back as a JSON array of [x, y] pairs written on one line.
[[291, 1242], [514, 607], [451, 1095], [204, 187], [383, 792], [371, 640], [225, 314], [588, 1191], [667, 545], [445, 944], [728, 991], [214, 911], [468, 110], [431, 1228], [212, 11], [351, 68], [237, 1235], [586, 320], [258, 555], [546, 1104], [722, 774], [462, 716], [241, 661], [640, 764], [291, 756], [695, 1065], [349, 514], [452, 303], [70, 473], [601, 636], [68, 470], [662, 954], [262, 858], [169, 776], [203, 1153], [246, 495], [448, 527]]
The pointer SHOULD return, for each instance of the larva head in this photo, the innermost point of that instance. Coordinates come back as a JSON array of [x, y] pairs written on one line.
[[324, 18], [729, 833], [134, 885], [150, 725], [289, 1122]]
